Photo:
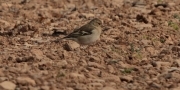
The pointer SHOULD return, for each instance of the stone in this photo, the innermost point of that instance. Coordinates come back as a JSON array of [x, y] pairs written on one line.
[[69, 88], [96, 85], [70, 6], [175, 75], [169, 41], [88, 15], [45, 88], [156, 85], [32, 88], [178, 62], [26, 80], [175, 48], [176, 88], [5, 22], [111, 69], [8, 85], [112, 78], [160, 64], [157, 44], [38, 53], [141, 26], [76, 75], [151, 50], [71, 46], [1, 73], [62, 63], [171, 4], [108, 88], [80, 87], [96, 65], [94, 59], [156, 12], [97, 80], [3, 78], [127, 78], [146, 42]]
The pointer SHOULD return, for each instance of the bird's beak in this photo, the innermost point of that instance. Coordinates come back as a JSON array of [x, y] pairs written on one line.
[[102, 23]]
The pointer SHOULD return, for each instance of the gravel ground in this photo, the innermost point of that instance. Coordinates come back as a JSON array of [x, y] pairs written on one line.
[[139, 48]]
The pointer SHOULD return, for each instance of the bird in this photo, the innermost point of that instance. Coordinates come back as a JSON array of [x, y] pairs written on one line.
[[86, 34]]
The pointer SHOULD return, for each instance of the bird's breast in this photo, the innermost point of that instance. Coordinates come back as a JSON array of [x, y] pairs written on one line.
[[87, 39]]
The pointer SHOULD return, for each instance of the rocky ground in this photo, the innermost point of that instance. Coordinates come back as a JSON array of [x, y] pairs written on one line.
[[139, 48]]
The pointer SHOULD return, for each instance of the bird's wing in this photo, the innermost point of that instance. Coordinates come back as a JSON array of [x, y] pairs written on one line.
[[82, 31]]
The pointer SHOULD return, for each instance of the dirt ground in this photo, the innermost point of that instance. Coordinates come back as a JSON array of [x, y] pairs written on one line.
[[139, 48]]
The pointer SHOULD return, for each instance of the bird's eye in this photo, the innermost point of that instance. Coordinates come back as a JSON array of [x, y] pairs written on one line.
[[99, 23]]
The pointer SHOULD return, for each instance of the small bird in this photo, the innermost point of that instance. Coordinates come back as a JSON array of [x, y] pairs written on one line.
[[86, 34]]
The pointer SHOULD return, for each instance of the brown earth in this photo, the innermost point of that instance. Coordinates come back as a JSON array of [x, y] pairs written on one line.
[[139, 48]]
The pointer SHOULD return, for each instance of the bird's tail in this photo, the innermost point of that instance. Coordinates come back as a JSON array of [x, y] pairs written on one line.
[[60, 39]]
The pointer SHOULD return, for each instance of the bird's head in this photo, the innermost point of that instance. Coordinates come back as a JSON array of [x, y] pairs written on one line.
[[96, 22]]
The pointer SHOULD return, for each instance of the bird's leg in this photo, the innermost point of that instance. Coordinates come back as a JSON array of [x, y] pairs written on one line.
[[84, 47]]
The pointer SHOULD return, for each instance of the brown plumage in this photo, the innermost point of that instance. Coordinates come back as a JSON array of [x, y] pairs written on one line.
[[86, 34]]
